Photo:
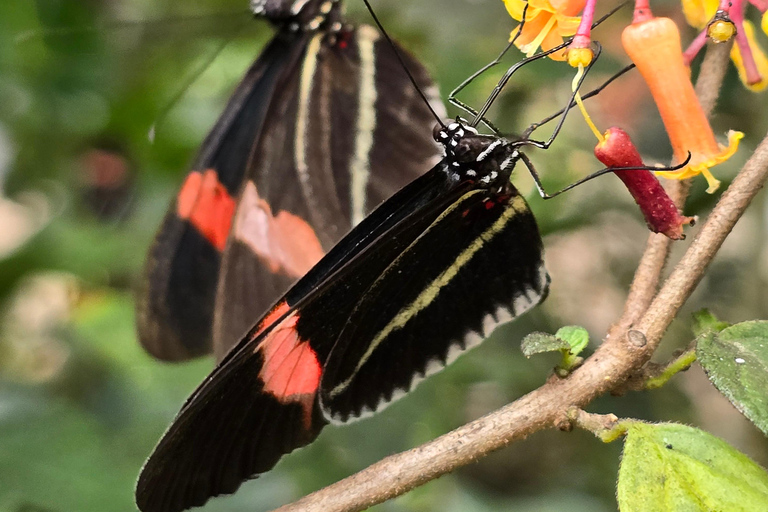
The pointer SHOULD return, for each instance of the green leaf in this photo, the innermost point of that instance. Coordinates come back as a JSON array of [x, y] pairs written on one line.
[[576, 336], [672, 467], [539, 342], [704, 321], [736, 361]]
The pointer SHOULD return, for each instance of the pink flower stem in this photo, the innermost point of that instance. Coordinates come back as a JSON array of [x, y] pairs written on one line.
[[696, 45], [737, 16], [642, 12], [583, 38]]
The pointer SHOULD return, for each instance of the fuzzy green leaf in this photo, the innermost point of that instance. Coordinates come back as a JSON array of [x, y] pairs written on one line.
[[539, 342], [672, 467], [736, 361]]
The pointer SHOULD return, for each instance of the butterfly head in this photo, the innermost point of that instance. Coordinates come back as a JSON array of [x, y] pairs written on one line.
[[470, 155], [300, 15]]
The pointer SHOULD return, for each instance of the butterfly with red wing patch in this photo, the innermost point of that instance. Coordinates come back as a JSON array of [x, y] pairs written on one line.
[[324, 126], [394, 301]]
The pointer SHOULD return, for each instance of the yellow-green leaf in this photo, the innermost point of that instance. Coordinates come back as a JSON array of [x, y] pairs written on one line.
[[672, 467], [576, 336]]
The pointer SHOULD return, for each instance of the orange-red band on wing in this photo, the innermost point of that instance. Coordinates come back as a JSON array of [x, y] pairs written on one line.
[[207, 205], [284, 242], [273, 316], [291, 371], [290, 365]]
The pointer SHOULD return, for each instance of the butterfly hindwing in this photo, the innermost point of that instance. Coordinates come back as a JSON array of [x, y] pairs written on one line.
[[176, 301], [357, 133], [442, 295]]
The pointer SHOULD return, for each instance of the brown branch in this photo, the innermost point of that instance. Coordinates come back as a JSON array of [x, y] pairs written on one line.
[[622, 353]]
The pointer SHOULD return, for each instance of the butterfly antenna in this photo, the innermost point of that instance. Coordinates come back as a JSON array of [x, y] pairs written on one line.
[[182, 90], [453, 100], [594, 92], [480, 115], [402, 63]]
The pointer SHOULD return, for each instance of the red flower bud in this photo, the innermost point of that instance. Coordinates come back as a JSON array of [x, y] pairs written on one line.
[[660, 212]]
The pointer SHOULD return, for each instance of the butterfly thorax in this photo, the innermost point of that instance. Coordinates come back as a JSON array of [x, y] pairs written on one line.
[[302, 15], [484, 160]]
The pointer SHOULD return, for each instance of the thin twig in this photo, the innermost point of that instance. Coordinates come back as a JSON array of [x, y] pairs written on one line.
[[712, 73], [613, 362]]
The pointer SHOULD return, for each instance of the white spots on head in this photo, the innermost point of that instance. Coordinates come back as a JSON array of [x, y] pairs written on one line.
[[507, 161], [257, 6], [487, 151], [297, 6], [471, 172]]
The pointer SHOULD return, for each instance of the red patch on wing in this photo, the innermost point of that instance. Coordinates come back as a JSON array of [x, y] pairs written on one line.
[[207, 205], [284, 242], [291, 371], [274, 315]]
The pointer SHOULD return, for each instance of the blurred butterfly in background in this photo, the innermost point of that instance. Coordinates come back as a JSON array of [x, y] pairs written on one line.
[[324, 126]]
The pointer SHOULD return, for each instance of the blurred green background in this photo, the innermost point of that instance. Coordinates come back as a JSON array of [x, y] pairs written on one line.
[[83, 188]]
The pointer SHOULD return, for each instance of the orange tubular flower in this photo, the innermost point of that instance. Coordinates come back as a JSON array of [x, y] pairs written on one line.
[[653, 44], [547, 22]]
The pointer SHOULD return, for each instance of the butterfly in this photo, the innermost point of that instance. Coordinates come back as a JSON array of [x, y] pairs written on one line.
[[428, 275], [323, 127]]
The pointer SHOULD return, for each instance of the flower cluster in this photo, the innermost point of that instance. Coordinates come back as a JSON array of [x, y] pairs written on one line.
[[654, 46]]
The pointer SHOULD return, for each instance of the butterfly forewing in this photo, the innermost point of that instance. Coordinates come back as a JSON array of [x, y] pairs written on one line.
[[358, 134], [176, 302]]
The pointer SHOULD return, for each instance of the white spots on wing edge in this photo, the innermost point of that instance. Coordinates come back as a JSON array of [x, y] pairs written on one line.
[[526, 300]]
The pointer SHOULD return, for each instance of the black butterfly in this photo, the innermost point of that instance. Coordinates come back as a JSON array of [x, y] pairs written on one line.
[[324, 126], [429, 274]]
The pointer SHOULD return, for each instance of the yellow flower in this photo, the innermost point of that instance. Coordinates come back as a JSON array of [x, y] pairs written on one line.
[[761, 62], [547, 22], [654, 47], [699, 12]]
